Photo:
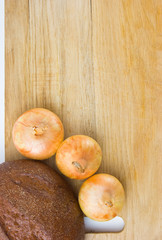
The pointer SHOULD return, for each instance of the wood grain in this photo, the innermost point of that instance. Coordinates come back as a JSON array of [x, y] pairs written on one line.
[[97, 65]]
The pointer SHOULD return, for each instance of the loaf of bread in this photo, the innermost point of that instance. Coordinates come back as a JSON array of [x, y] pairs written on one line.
[[37, 204]]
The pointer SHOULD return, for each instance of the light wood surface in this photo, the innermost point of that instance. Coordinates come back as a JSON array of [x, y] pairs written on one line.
[[97, 65]]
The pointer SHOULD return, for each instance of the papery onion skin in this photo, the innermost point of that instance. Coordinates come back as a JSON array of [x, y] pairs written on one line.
[[101, 197], [38, 133], [78, 157]]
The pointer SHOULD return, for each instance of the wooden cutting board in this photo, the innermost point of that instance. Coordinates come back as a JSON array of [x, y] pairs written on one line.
[[95, 63]]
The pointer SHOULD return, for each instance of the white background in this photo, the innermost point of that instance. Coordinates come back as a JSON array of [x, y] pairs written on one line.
[[113, 225]]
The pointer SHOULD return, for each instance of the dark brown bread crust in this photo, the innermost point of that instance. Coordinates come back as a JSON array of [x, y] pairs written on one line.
[[3, 235], [37, 204]]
